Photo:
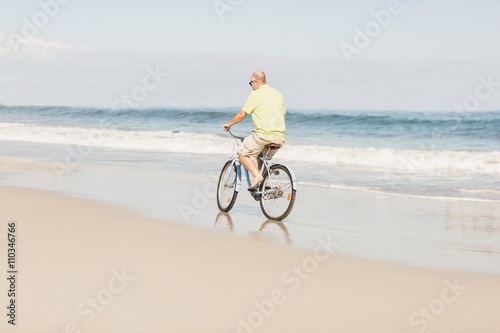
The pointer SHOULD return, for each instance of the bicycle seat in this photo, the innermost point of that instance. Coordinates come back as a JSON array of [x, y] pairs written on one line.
[[270, 150]]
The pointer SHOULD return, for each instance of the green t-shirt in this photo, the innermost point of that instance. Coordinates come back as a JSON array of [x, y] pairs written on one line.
[[267, 107]]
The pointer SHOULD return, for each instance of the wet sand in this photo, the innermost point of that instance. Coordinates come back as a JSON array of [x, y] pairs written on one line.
[[410, 230]]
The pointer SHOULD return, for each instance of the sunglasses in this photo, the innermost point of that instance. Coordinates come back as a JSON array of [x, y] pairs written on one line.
[[250, 83]]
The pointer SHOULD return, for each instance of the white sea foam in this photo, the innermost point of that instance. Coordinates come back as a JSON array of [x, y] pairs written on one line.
[[160, 141], [414, 195], [397, 160]]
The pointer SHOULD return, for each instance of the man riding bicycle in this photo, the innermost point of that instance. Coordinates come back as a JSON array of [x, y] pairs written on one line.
[[267, 107]]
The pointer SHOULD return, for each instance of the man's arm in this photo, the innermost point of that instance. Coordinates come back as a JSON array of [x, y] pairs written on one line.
[[238, 118]]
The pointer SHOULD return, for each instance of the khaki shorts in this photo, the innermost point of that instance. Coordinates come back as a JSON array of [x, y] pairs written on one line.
[[253, 145]]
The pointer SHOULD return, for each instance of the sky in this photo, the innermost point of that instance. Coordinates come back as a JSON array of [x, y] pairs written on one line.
[[340, 54]]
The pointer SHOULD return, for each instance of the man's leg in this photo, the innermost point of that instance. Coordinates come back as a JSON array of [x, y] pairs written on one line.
[[249, 164]]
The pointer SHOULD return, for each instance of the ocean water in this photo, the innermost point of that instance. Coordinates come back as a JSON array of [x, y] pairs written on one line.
[[437, 154]]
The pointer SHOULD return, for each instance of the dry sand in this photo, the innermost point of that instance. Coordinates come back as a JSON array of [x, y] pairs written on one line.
[[84, 266]]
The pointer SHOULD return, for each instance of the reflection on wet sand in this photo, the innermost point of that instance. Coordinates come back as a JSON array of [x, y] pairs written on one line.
[[470, 225], [224, 221], [270, 230], [281, 226]]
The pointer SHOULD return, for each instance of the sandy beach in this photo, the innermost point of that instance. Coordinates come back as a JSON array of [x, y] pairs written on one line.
[[85, 266]]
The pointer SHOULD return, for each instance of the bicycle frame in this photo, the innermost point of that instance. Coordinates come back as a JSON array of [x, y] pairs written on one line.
[[265, 166]]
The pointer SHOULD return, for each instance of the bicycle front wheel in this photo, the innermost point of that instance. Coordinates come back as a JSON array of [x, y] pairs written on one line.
[[226, 187], [279, 196]]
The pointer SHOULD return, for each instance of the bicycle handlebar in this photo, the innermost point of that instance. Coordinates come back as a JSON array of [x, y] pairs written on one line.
[[236, 137]]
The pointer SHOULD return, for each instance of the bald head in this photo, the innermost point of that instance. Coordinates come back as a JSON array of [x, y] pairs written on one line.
[[257, 80], [259, 76]]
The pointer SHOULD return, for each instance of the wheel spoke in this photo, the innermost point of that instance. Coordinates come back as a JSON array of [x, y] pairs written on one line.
[[226, 188], [278, 201]]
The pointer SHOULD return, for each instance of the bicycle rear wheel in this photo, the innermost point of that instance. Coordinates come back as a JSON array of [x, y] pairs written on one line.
[[279, 197], [226, 187]]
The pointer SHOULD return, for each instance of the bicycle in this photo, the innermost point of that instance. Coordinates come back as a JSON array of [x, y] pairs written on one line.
[[276, 193]]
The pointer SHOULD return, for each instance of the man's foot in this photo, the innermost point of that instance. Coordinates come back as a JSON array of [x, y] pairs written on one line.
[[252, 191], [256, 182]]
